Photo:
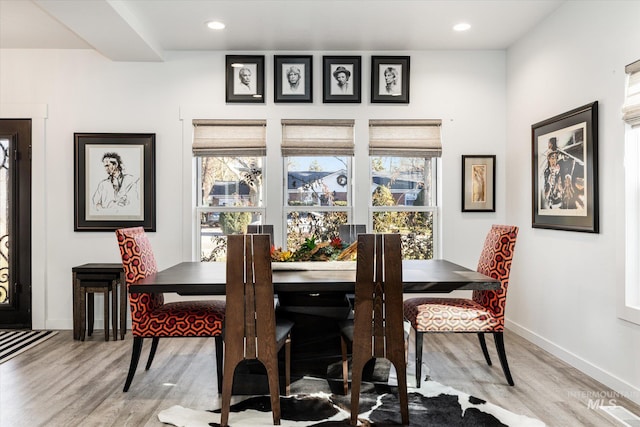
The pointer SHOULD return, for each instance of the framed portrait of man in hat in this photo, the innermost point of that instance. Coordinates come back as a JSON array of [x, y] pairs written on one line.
[[341, 80]]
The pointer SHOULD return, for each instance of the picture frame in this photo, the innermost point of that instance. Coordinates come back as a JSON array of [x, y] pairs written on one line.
[[395, 89], [244, 76], [293, 75], [341, 79], [479, 183], [126, 159], [565, 171]]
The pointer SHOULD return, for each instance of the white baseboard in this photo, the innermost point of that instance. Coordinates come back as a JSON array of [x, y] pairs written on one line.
[[616, 384]]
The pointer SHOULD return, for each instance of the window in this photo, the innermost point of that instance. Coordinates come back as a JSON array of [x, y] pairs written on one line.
[[629, 297], [317, 190], [403, 158], [229, 163]]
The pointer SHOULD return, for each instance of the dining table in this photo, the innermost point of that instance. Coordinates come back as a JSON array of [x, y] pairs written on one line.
[[316, 296], [418, 276]]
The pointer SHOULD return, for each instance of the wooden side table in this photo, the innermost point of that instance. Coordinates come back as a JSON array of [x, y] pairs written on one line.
[[93, 276]]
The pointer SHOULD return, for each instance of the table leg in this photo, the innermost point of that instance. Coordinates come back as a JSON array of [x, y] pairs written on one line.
[[90, 314], [114, 309], [123, 305], [106, 313], [82, 304], [76, 307]]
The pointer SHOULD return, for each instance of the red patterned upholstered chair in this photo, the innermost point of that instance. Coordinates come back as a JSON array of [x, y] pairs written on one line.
[[483, 313], [376, 330], [151, 317]]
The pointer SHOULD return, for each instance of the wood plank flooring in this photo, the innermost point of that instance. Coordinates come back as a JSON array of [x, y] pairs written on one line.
[[68, 383]]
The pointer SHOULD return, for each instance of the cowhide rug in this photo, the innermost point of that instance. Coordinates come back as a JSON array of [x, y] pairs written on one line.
[[433, 404]]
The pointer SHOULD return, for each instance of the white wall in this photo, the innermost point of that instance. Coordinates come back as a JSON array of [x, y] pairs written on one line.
[[84, 92], [564, 284]]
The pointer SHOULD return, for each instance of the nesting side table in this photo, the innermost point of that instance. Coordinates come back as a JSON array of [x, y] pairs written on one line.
[[96, 277]]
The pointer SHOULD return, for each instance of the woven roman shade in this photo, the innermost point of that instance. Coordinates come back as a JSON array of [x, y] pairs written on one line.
[[631, 107], [405, 138], [317, 138], [229, 138]]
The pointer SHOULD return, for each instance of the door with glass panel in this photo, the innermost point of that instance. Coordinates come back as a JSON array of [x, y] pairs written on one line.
[[15, 223]]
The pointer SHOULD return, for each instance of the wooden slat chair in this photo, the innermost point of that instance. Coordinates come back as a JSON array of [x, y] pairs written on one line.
[[261, 229], [482, 314], [151, 317], [376, 330], [251, 331], [348, 233]]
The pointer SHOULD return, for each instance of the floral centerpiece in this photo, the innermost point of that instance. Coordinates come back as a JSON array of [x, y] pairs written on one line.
[[310, 250]]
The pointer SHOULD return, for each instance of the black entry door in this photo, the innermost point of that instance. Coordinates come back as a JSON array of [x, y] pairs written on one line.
[[15, 223]]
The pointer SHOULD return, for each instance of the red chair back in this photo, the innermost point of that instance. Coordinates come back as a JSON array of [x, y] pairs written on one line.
[[495, 261], [138, 262]]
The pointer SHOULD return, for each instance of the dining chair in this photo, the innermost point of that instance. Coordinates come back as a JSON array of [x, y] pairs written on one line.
[[482, 314], [376, 330], [151, 317], [251, 330], [261, 229], [348, 233]]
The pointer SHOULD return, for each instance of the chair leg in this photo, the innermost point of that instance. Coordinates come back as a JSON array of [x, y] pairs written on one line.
[[345, 365], [419, 341], [502, 355], [483, 345], [357, 366], [271, 365], [152, 353], [135, 357], [219, 360], [395, 354]]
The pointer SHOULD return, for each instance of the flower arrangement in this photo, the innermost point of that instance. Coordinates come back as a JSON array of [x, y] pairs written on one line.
[[310, 250]]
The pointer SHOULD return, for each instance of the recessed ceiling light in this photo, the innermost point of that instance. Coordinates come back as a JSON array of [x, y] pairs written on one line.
[[463, 26], [216, 25]]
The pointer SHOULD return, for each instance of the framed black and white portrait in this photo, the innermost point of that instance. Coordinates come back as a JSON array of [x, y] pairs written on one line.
[[341, 80], [114, 181], [244, 78], [390, 79], [293, 78]]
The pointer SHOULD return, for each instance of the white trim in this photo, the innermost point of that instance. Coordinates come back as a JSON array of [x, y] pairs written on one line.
[[628, 293], [38, 114]]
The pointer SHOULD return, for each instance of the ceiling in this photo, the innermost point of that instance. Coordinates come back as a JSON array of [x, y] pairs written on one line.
[[143, 30]]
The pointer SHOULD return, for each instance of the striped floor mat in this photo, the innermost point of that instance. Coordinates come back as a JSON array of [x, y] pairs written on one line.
[[12, 343]]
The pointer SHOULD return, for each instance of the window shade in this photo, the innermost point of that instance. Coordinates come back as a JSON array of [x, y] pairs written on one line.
[[317, 137], [229, 138], [631, 107], [405, 138]]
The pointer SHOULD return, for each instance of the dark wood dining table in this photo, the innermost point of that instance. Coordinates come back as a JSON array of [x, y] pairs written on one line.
[[419, 276]]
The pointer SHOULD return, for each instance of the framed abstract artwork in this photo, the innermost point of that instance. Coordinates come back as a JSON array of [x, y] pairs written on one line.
[[114, 181], [478, 183], [565, 171]]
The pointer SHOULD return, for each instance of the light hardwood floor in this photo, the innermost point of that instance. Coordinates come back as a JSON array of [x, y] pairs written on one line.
[[68, 383]]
